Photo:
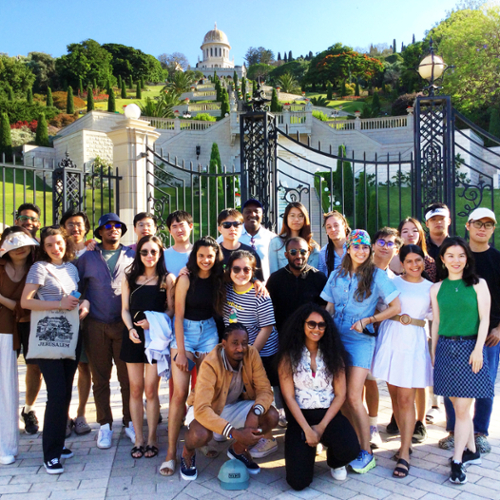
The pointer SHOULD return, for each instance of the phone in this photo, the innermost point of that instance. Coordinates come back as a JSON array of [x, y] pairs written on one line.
[[139, 316], [367, 332], [76, 293], [191, 363]]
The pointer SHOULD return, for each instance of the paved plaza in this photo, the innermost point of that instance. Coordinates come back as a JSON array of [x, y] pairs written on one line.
[[113, 474]]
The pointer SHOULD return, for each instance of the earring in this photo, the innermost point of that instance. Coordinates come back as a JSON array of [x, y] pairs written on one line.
[[466, 265]]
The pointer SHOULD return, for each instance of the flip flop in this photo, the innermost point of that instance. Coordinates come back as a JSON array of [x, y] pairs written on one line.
[[402, 472], [137, 449], [209, 451], [168, 468], [151, 449]]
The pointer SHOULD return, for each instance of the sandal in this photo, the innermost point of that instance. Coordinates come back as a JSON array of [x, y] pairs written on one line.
[[168, 468], [399, 472], [150, 448], [137, 449], [395, 457], [209, 451], [80, 425]]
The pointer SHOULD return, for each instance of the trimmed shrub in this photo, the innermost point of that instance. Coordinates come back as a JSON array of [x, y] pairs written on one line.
[[356, 89], [375, 104], [60, 99], [63, 119], [205, 117], [5, 137], [243, 87], [10, 93], [50, 101], [80, 87], [94, 84], [70, 105], [138, 93], [124, 91], [20, 110], [320, 115], [329, 91], [130, 82], [21, 136], [119, 81], [224, 108], [275, 105], [29, 96], [42, 133], [254, 89], [111, 100], [343, 90], [235, 79], [90, 99]]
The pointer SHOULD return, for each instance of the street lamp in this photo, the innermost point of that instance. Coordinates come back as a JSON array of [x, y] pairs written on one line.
[[431, 68]]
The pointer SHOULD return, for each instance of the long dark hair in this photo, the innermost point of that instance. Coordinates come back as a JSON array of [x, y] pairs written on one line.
[[292, 341], [330, 253], [239, 254], [406, 249], [216, 273], [364, 272], [17, 229], [69, 254], [137, 267], [422, 243], [469, 275], [305, 232]]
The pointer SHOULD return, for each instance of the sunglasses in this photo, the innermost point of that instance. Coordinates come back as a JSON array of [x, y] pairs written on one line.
[[383, 243], [238, 270], [145, 253], [116, 225], [321, 326], [294, 251], [227, 225], [27, 217]]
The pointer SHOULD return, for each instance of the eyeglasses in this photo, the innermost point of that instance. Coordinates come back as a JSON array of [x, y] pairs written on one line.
[[238, 270], [115, 225], [146, 225], [296, 216], [145, 253], [487, 225], [72, 225], [227, 225], [383, 243], [321, 326], [294, 251], [28, 218]]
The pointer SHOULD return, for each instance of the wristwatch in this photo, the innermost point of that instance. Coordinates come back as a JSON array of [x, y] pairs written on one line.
[[257, 410]]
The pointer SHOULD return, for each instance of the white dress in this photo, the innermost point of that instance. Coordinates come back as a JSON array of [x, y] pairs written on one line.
[[401, 355]]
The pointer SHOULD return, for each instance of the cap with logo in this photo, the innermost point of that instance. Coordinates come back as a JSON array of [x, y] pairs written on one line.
[[444, 212], [482, 213], [233, 475]]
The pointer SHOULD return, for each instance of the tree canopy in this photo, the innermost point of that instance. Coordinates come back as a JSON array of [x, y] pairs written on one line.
[[15, 74], [258, 55]]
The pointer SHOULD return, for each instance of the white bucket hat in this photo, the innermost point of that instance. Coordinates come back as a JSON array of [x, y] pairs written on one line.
[[17, 240]]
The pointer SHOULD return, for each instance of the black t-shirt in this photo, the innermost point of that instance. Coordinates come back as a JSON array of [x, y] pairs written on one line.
[[289, 292], [488, 268], [227, 253], [433, 251]]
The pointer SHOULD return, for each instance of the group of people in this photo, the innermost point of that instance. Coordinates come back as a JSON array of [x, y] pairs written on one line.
[[264, 329]]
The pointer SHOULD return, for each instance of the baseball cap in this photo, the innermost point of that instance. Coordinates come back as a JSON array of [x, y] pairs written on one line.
[[111, 217], [482, 213], [17, 240], [233, 475], [253, 201]]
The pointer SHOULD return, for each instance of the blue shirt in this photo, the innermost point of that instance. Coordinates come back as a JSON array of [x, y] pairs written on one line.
[[175, 260], [336, 263], [340, 290]]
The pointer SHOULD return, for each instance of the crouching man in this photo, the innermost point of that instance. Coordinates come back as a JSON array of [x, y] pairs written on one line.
[[232, 397]]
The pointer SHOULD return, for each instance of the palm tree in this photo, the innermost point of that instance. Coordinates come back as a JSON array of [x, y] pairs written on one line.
[[181, 82], [288, 84], [163, 107]]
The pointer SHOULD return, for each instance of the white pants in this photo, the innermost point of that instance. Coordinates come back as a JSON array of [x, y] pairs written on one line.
[[9, 398]]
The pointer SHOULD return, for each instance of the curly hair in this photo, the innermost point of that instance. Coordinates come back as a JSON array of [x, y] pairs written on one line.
[[469, 275], [47, 231], [137, 267], [364, 272], [305, 232], [292, 341]]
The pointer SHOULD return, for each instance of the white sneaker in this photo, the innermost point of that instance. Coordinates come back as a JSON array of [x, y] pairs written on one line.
[[105, 437], [263, 448], [375, 439], [339, 474], [7, 459], [319, 449], [130, 432], [434, 415]]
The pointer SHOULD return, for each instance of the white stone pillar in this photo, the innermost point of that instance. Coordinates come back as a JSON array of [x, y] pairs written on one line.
[[129, 156]]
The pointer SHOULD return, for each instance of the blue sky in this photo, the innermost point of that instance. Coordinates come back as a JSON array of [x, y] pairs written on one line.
[[166, 26]]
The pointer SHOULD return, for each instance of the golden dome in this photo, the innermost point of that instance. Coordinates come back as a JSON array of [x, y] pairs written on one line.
[[216, 35]]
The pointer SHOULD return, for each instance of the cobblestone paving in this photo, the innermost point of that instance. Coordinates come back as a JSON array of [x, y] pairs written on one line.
[[113, 474]]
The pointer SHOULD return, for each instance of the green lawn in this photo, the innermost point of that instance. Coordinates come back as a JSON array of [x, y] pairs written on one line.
[[151, 91]]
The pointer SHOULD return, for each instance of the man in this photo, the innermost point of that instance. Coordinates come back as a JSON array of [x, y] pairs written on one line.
[[180, 225], [254, 234], [28, 216], [101, 275], [230, 223], [481, 226], [144, 225], [233, 398]]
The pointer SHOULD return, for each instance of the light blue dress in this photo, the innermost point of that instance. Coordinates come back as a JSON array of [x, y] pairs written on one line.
[[340, 290], [277, 259]]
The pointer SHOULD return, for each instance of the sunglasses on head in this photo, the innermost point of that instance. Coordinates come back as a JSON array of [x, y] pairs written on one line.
[[145, 253], [227, 225], [383, 243], [313, 324], [112, 225], [294, 251], [238, 270]]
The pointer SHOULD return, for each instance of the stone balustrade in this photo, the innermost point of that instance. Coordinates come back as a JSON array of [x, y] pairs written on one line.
[[386, 122], [176, 124]]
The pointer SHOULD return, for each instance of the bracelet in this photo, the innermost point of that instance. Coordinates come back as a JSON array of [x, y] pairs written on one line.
[[133, 328], [374, 319]]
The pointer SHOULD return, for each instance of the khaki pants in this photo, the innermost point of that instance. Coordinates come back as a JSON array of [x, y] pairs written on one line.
[[103, 343]]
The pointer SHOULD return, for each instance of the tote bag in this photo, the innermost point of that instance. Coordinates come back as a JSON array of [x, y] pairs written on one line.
[[54, 333]]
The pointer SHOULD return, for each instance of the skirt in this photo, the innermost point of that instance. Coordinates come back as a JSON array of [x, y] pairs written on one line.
[[359, 346], [453, 376]]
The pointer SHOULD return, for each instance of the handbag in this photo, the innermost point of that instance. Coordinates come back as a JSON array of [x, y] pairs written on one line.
[[54, 333]]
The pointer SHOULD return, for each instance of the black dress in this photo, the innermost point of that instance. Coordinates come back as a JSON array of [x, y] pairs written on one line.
[[142, 298]]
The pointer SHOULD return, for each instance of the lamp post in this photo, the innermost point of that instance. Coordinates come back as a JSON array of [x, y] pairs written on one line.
[[432, 68]]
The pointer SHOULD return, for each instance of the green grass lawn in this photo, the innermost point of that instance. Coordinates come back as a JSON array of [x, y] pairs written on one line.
[[151, 91]]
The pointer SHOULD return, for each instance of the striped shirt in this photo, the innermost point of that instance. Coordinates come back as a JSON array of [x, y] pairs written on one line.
[[50, 287], [253, 312]]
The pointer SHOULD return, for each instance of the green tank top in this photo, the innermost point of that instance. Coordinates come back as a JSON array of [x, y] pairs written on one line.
[[458, 312]]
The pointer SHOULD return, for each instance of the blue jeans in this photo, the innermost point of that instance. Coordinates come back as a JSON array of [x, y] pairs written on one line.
[[483, 406]]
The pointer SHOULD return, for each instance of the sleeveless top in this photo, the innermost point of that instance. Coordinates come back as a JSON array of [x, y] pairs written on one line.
[[199, 299], [146, 298], [458, 312]]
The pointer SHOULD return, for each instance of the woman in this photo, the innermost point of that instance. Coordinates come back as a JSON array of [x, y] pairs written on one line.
[[337, 229], [52, 279], [352, 293], [313, 383], [458, 333], [402, 356], [147, 286], [242, 305], [16, 257], [198, 296], [295, 223]]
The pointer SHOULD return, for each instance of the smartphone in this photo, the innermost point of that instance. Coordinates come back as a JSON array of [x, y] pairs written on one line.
[[191, 363], [76, 293], [367, 332]]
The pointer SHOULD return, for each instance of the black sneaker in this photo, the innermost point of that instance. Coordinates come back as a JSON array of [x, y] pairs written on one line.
[[458, 475], [392, 427], [67, 453], [420, 433], [30, 421], [53, 466], [245, 459], [471, 458], [188, 468]]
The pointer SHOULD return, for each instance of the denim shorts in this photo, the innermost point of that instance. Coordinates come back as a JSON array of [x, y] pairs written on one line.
[[199, 336]]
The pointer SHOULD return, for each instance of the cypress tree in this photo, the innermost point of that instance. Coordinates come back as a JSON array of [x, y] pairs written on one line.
[[90, 99], [254, 89], [345, 187], [279, 56], [235, 79], [130, 82], [215, 185], [138, 93], [143, 84], [124, 90], [356, 90], [42, 133], [224, 104], [290, 58], [374, 214], [375, 104], [29, 96], [111, 100], [10, 93], [361, 210], [413, 38], [5, 137], [50, 101], [244, 86], [275, 105], [494, 127], [285, 58], [343, 91], [70, 104], [119, 81], [94, 84], [80, 87], [394, 46], [329, 91]]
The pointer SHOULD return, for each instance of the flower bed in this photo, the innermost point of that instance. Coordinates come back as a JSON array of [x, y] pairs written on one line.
[[20, 124]]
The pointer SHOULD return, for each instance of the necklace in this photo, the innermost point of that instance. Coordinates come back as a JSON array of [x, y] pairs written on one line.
[[458, 286]]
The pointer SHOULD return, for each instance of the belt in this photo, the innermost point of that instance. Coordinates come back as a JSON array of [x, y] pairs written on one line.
[[406, 319], [460, 338]]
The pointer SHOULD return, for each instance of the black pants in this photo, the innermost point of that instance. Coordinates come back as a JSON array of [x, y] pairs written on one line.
[[58, 375], [339, 438]]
